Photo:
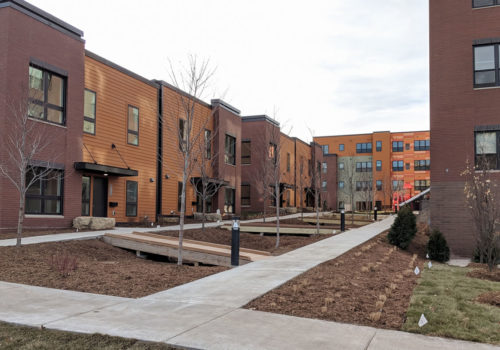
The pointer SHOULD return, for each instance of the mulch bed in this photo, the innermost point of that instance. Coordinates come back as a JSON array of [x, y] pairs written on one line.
[[31, 233], [481, 271], [492, 298], [249, 240], [101, 269], [369, 285]]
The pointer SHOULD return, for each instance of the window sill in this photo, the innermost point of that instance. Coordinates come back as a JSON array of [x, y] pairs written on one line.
[[484, 7], [493, 171], [48, 123], [487, 87], [36, 216], [229, 164]]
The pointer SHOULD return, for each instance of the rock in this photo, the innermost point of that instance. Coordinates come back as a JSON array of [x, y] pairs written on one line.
[[209, 217], [170, 219], [82, 222], [102, 223], [291, 210]]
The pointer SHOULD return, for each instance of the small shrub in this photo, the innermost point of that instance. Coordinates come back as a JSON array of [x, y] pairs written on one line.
[[477, 256], [437, 247], [403, 229], [63, 263]]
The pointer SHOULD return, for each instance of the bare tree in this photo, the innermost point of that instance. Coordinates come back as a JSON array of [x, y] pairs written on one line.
[[315, 182], [206, 187], [192, 80], [27, 146], [482, 196], [367, 193], [262, 175], [349, 178]]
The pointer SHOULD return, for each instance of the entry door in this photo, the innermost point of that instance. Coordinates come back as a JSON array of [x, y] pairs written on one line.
[[100, 195]]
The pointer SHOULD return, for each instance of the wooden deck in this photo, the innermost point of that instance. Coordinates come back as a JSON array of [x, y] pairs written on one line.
[[284, 229], [337, 221], [193, 251]]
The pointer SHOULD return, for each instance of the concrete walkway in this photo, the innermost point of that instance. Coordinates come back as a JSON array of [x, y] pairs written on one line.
[[207, 314], [60, 237]]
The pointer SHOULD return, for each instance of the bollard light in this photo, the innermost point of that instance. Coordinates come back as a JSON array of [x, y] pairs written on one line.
[[342, 220], [375, 213], [235, 242]]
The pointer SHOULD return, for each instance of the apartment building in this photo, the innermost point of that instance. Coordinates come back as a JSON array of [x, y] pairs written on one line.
[[116, 137], [464, 107], [379, 169]]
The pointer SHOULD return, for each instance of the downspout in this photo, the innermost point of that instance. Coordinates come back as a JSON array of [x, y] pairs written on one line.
[[159, 159]]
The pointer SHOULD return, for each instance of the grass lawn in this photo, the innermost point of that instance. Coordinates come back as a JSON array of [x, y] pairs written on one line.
[[20, 337], [446, 296]]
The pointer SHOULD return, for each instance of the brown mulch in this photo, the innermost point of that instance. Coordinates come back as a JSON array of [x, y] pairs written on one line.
[[352, 288], [481, 271], [249, 240], [492, 298], [101, 269]]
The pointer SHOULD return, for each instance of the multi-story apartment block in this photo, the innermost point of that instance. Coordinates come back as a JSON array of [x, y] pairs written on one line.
[[379, 169], [118, 139], [464, 107]]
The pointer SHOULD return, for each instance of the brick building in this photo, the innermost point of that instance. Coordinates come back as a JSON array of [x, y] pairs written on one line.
[[464, 107]]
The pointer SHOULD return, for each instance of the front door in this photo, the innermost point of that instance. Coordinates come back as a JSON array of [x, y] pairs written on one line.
[[100, 197]]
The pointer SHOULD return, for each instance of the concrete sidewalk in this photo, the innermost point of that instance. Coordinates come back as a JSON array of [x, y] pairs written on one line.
[[61, 237], [206, 314]]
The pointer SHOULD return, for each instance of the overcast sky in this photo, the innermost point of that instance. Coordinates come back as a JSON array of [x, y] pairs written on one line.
[[333, 67]]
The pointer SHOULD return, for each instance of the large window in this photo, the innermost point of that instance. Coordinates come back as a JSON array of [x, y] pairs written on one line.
[[325, 149], [379, 185], [363, 167], [363, 186], [397, 165], [246, 152], [484, 3], [486, 65], [230, 150], [131, 203], [47, 96], [379, 146], [89, 101], [229, 195], [423, 164], [245, 194], [488, 150], [85, 196], [45, 195], [133, 126], [421, 185], [379, 165], [182, 134], [364, 148], [422, 145], [288, 161], [208, 144], [397, 146]]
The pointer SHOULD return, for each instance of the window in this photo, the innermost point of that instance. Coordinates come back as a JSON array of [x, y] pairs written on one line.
[[341, 184], [397, 146], [486, 65], [85, 196], [325, 149], [229, 200], [131, 202], [423, 164], [272, 152], [407, 146], [182, 134], [230, 150], [341, 205], [341, 166], [407, 166], [89, 101], [363, 167], [379, 185], [363, 206], [378, 145], [422, 145], [288, 198], [133, 126], [288, 162], [341, 147], [324, 168], [246, 152], [487, 150], [421, 185], [397, 165], [484, 3], [245, 194], [45, 195], [363, 148], [363, 186], [323, 185], [397, 185], [47, 96], [208, 144], [379, 165]]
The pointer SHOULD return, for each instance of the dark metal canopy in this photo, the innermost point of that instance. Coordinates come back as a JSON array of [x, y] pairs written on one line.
[[104, 169]]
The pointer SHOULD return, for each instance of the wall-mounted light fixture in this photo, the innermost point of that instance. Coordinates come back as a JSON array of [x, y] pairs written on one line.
[[167, 177], [151, 179]]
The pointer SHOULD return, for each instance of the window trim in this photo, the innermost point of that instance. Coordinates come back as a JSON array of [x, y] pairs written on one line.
[[417, 166], [497, 132], [246, 159], [417, 145], [363, 147], [496, 68], [133, 132], [400, 165], [88, 119], [42, 197], [227, 160], [398, 148], [127, 202], [420, 187], [495, 3]]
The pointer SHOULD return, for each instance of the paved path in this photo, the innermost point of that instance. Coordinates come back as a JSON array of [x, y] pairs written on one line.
[[207, 314]]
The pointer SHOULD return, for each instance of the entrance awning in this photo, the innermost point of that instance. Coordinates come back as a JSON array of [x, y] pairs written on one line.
[[285, 185], [104, 169], [212, 181]]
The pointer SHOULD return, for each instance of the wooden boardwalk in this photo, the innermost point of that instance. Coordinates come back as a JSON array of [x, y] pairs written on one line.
[[285, 229], [193, 251]]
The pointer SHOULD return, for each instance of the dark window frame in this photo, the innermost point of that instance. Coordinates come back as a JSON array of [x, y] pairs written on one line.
[[421, 185], [496, 68], [182, 134], [129, 203], [476, 156], [89, 119], [378, 184], [422, 165], [378, 146], [245, 200], [364, 167], [398, 165], [84, 201], [45, 104], [233, 199], [365, 147], [246, 145], [341, 184], [43, 197], [208, 143], [422, 145], [288, 162], [377, 167], [326, 149], [494, 3], [230, 158], [397, 146], [363, 186], [341, 147], [130, 131]]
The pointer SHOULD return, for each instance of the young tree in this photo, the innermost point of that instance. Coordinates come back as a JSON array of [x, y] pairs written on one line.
[[349, 178], [26, 144], [482, 197], [301, 186], [315, 182], [367, 192], [192, 80]]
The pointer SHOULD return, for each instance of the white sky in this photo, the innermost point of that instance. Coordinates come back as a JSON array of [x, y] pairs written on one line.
[[333, 66]]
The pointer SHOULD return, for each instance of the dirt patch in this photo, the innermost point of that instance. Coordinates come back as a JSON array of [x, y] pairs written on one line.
[[369, 285], [492, 298], [101, 269], [481, 271], [249, 240]]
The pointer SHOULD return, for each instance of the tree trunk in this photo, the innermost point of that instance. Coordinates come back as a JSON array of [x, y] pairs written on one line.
[[183, 209], [278, 203], [203, 205], [265, 204], [316, 195], [20, 219]]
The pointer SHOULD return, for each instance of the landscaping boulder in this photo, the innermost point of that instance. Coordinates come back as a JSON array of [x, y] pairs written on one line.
[[82, 222], [291, 210], [208, 216], [102, 223]]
